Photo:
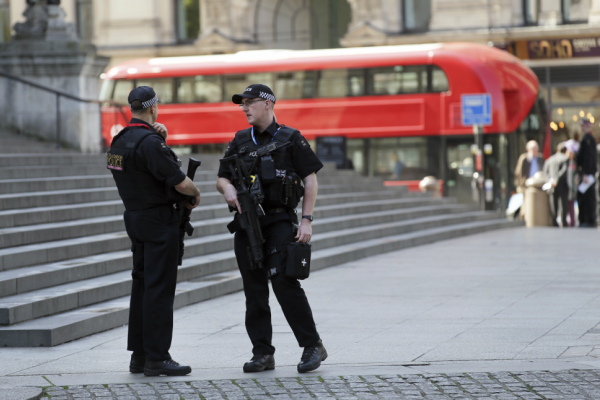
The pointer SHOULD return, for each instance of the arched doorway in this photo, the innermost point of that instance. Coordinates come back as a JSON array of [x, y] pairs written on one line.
[[301, 24]]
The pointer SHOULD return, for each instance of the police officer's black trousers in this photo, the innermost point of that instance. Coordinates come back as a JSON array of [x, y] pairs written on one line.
[[587, 206], [154, 234], [276, 229]]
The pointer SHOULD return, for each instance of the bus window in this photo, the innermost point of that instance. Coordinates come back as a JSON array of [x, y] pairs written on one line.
[[107, 90], [341, 83], [121, 92], [199, 89], [162, 86], [439, 81], [235, 84], [398, 80], [295, 85]]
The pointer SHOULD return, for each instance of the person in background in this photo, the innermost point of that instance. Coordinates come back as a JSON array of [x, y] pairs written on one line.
[[586, 162], [555, 169], [398, 167], [528, 164], [571, 147]]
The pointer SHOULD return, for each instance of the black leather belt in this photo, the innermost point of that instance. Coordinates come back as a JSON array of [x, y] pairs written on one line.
[[275, 210]]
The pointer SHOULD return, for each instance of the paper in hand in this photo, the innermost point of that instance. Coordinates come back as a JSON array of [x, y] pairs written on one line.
[[583, 186]]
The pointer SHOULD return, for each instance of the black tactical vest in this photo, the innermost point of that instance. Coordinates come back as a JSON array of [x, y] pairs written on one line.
[[273, 183], [139, 190]]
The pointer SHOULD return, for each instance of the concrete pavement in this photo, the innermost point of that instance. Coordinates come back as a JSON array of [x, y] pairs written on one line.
[[513, 300]]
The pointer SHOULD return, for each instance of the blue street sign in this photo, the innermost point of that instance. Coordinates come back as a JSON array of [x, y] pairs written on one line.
[[476, 109]]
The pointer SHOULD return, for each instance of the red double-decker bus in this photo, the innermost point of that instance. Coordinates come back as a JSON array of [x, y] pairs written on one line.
[[398, 107]]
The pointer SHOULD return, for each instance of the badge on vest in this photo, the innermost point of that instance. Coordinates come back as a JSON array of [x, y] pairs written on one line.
[[115, 159]]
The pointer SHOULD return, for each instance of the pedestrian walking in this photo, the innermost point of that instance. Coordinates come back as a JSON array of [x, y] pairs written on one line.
[[148, 176], [572, 147], [587, 158], [528, 165], [555, 170], [279, 226]]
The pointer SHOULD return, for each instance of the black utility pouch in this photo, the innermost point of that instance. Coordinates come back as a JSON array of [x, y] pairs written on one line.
[[298, 260]]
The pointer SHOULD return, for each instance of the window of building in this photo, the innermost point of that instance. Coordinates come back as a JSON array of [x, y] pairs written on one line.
[[162, 86], [531, 10], [416, 15], [575, 10], [187, 19], [85, 19], [200, 89]]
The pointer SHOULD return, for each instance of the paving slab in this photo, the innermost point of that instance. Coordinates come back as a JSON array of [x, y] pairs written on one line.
[[503, 303]]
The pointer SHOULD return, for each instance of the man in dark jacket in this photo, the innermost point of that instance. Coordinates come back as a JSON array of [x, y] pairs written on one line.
[[555, 169], [586, 162], [147, 173]]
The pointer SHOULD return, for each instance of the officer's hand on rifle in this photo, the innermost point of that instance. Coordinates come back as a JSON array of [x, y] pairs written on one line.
[[189, 206], [231, 197], [161, 129]]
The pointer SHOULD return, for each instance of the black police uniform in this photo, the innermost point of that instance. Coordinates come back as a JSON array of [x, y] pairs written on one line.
[[587, 157], [145, 169], [277, 227]]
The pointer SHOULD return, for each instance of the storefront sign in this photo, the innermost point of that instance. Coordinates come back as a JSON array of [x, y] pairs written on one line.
[[554, 48]]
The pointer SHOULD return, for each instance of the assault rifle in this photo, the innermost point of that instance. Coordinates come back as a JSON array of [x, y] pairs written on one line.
[[250, 197], [184, 213]]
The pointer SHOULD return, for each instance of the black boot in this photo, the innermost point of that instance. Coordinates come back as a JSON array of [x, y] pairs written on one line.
[[312, 357], [136, 365], [260, 363], [167, 367]]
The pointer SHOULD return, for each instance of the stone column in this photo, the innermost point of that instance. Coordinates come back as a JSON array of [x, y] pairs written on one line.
[[45, 50], [550, 13], [594, 18], [368, 26], [227, 25]]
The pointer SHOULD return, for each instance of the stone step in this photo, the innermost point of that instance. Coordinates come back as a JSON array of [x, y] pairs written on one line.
[[39, 303], [61, 197], [71, 325], [30, 185], [26, 160], [51, 171], [26, 279], [41, 233], [58, 250], [69, 212]]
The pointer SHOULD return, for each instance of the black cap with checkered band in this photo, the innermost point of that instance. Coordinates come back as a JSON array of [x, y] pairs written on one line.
[[253, 92], [145, 95]]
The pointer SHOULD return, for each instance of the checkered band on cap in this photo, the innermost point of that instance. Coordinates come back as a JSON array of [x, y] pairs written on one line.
[[150, 102], [267, 96]]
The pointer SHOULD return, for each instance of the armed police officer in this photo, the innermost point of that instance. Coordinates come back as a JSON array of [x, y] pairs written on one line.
[[280, 157], [148, 178]]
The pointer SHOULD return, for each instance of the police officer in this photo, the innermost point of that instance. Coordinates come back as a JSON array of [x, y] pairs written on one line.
[[278, 228], [148, 177]]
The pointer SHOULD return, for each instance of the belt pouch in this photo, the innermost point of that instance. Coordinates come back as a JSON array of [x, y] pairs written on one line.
[[298, 260]]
